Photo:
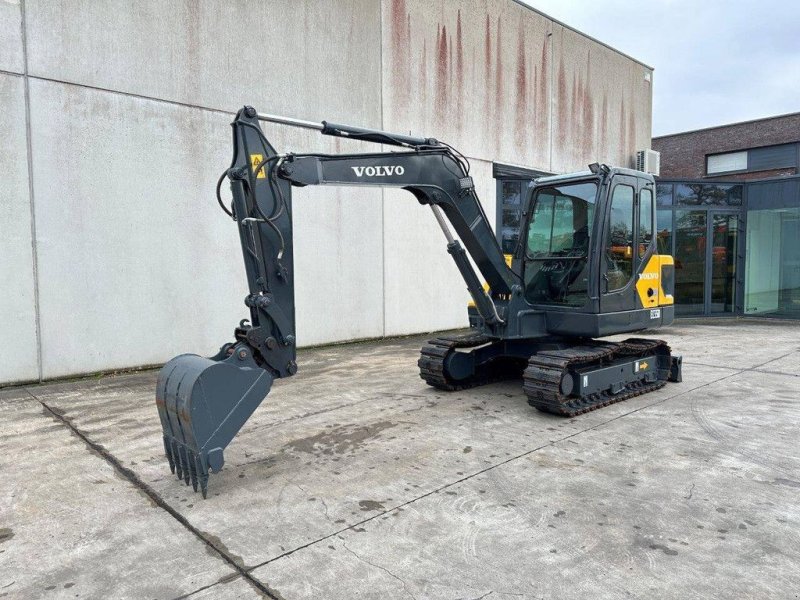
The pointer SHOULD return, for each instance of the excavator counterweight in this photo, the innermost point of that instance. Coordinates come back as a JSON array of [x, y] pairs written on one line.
[[586, 266]]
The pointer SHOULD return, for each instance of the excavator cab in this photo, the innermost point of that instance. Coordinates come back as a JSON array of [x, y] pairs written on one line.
[[588, 250]]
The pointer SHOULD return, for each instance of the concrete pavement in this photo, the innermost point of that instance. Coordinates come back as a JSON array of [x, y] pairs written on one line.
[[355, 480]]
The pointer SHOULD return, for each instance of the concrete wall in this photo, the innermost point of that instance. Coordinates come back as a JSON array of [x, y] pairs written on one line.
[[114, 120]]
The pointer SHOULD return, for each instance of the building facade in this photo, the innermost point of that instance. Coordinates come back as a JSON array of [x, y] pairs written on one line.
[[729, 212], [115, 119], [756, 149]]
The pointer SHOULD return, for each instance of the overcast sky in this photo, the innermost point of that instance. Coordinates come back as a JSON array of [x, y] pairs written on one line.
[[715, 61]]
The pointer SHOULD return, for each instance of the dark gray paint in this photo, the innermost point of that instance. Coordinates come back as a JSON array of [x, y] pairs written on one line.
[[772, 157]]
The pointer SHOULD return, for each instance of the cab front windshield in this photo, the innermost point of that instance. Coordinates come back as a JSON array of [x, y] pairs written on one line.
[[557, 248]]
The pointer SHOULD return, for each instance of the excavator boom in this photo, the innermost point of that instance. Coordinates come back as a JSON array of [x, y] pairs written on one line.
[[203, 402]]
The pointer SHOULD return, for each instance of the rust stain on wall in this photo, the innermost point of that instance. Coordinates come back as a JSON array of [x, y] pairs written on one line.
[[400, 73], [631, 136], [442, 75], [423, 75], [498, 133], [603, 142], [622, 133], [459, 71], [563, 108], [521, 114], [506, 82], [544, 88], [588, 109], [487, 79]]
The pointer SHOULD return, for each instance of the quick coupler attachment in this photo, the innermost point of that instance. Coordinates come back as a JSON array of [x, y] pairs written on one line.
[[203, 402]]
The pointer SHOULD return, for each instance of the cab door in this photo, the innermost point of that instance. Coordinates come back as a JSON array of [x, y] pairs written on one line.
[[618, 257]]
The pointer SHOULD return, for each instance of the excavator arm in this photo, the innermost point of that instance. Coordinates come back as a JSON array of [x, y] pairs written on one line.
[[204, 402]]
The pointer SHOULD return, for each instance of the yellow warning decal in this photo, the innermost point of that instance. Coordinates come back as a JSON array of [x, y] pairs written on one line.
[[255, 160], [643, 365]]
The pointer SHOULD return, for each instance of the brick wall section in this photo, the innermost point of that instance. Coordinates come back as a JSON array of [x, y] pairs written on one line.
[[683, 155]]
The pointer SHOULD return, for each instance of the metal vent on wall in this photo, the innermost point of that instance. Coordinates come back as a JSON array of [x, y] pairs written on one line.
[[648, 161]]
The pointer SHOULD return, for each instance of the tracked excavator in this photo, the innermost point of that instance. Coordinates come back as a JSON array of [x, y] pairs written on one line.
[[586, 266]]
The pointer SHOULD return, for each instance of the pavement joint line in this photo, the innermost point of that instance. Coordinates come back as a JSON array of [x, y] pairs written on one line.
[[494, 466], [748, 369], [205, 587], [156, 498]]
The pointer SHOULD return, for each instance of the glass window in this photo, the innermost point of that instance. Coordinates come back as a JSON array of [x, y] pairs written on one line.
[[619, 239], [645, 221], [511, 193], [724, 242], [690, 261], [715, 195], [735, 195], [687, 194], [723, 163], [541, 225], [511, 218], [557, 245], [719, 194], [664, 194], [772, 263], [664, 231], [509, 214], [552, 227]]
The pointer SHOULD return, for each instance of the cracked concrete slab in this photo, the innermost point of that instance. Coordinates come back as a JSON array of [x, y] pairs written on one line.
[[71, 526], [358, 434], [681, 499], [354, 479]]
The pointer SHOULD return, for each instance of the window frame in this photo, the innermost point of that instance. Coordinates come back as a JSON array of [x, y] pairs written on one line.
[[718, 173], [607, 235], [638, 211]]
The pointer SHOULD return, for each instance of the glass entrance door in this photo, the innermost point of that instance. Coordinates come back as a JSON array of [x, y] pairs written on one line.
[[705, 262], [721, 256], [690, 261]]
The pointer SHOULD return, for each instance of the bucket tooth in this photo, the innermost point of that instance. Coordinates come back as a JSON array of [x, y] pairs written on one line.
[[204, 484], [193, 469], [186, 466], [168, 451], [203, 402], [176, 454]]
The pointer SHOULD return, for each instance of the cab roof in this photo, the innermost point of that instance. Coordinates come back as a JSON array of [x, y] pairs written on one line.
[[589, 175]]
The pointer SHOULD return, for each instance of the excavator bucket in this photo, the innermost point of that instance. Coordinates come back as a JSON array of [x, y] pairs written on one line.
[[203, 402]]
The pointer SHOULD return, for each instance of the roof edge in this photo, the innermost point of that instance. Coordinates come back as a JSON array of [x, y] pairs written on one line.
[[791, 114], [579, 32]]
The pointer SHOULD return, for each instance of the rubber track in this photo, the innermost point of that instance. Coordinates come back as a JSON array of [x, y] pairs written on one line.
[[542, 378], [433, 355]]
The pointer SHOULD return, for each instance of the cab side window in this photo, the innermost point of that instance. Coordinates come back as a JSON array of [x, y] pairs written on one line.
[[619, 238]]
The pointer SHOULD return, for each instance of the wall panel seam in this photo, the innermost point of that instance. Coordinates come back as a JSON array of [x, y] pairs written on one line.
[[383, 191], [31, 201], [219, 111], [131, 94]]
